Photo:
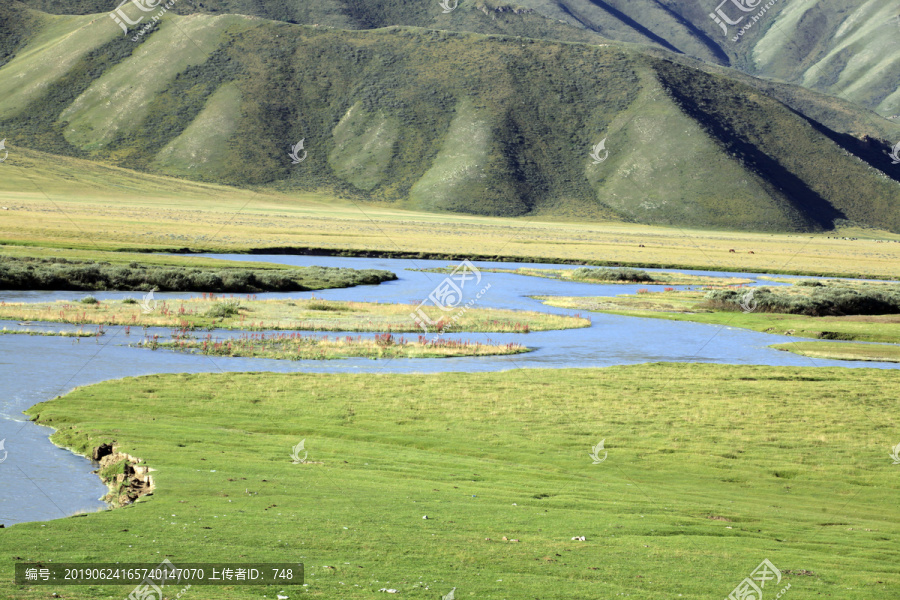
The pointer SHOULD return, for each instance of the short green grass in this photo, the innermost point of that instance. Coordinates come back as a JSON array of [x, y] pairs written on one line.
[[710, 469], [844, 351], [687, 306]]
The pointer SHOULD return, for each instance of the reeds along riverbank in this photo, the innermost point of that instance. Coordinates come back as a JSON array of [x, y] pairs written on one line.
[[297, 346]]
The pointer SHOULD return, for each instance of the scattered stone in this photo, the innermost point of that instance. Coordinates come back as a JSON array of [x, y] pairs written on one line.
[[578, 538]]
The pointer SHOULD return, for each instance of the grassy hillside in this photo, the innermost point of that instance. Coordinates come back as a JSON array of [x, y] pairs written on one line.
[[438, 121], [849, 48]]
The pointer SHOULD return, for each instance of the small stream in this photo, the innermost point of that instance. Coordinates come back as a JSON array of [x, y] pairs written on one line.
[[39, 481]]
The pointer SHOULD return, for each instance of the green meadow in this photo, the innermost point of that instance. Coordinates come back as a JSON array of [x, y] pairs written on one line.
[[691, 306], [844, 350], [698, 483]]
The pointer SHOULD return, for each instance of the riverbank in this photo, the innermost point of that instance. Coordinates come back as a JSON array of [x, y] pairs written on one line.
[[307, 347], [718, 307], [244, 221], [843, 351], [499, 464], [245, 313], [623, 276], [59, 273]]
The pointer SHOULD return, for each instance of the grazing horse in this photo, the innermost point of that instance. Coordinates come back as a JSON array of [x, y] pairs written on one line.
[[751, 252], [732, 250]]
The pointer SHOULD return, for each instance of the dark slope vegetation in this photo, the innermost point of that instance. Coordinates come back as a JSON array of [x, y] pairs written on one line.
[[444, 121], [849, 48]]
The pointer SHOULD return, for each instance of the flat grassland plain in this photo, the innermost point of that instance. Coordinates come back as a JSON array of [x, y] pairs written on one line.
[[60, 202], [710, 468]]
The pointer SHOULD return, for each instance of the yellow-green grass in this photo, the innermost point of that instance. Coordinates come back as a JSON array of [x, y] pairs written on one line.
[[60, 43], [687, 306], [243, 312], [710, 469], [843, 351], [305, 347], [95, 118], [658, 278], [68, 203], [146, 259], [60, 333]]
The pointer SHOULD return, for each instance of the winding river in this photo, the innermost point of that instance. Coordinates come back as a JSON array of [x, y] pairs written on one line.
[[39, 481]]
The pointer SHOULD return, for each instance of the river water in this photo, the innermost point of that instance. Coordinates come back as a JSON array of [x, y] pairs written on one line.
[[39, 481]]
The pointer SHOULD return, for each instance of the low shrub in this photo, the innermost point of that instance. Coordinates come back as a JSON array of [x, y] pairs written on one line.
[[222, 310], [58, 274], [622, 274], [821, 301]]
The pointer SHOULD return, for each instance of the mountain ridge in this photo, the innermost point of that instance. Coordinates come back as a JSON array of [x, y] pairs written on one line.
[[448, 121]]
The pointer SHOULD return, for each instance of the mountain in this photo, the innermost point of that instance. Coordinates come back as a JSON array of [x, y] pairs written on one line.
[[846, 48], [447, 121]]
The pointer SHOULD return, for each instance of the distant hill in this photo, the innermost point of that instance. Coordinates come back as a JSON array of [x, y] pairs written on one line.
[[444, 121], [847, 48]]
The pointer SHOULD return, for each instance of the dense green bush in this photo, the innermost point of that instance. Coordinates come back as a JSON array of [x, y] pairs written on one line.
[[222, 310], [60, 274], [624, 274], [821, 301]]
